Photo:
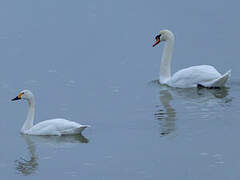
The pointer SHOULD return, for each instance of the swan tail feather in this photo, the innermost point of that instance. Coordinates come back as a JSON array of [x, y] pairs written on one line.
[[81, 128], [77, 130], [216, 83]]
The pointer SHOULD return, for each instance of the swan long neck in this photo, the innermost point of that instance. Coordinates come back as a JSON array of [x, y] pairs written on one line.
[[165, 67], [30, 116]]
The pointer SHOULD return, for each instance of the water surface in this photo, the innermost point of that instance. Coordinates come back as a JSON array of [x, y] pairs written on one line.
[[93, 62]]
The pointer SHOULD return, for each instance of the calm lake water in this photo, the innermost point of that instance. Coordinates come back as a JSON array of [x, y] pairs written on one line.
[[93, 62]]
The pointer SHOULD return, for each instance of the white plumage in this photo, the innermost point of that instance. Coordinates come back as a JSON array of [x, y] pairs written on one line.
[[49, 127], [204, 75], [56, 127]]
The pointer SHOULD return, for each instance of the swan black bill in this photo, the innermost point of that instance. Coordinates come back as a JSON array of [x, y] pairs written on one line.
[[15, 99], [156, 42]]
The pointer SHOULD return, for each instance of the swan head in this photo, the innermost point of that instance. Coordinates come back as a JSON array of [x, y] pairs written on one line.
[[25, 95], [164, 35]]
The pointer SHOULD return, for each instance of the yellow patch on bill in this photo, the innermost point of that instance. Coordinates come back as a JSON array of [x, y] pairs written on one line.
[[20, 95]]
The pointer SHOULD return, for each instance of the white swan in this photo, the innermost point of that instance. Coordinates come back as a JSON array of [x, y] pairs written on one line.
[[203, 75], [49, 127]]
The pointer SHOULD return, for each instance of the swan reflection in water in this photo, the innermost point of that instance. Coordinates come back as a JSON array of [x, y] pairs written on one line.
[[166, 114], [27, 167]]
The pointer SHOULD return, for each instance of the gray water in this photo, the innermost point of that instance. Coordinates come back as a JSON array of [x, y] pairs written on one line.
[[93, 62]]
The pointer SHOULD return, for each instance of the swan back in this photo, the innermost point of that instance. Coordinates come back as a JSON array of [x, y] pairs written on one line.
[[194, 75], [56, 127]]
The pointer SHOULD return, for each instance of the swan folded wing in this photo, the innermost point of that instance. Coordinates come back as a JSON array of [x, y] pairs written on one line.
[[192, 76], [219, 82], [55, 127]]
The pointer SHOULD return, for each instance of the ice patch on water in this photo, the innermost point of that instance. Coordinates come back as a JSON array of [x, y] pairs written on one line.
[[108, 157], [115, 89], [52, 70], [70, 83], [31, 81], [217, 155], [88, 164], [71, 173], [219, 162], [47, 157]]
